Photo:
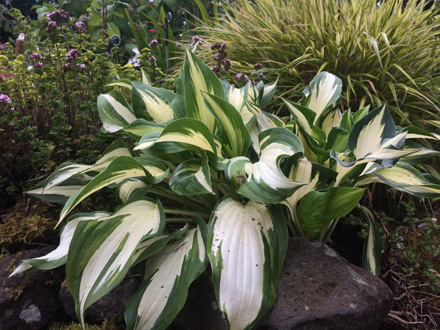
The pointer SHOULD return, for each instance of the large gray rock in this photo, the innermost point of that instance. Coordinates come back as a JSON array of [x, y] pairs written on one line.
[[27, 301], [112, 304], [319, 290]]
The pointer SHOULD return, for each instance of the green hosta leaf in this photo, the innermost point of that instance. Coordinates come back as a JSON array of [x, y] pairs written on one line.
[[246, 247], [168, 275], [338, 140], [191, 177], [114, 111], [199, 78], [119, 169], [234, 135], [264, 181], [101, 252], [152, 103], [58, 256], [324, 90], [317, 209], [369, 133], [372, 245]]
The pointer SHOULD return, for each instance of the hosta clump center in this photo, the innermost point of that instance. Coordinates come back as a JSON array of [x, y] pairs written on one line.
[[234, 177]]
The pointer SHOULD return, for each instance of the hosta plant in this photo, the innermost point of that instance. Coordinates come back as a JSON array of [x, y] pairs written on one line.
[[215, 180]]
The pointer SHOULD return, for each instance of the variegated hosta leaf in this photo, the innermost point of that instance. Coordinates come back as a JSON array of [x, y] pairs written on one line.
[[152, 103], [238, 97], [126, 83], [372, 245], [131, 189], [268, 93], [264, 181], [233, 133], [155, 170], [60, 193], [192, 177], [369, 133], [154, 244], [324, 90], [114, 111], [406, 178], [186, 134], [331, 120], [140, 127], [198, 78], [58, 256], [317, 209], [168, 275], [119, 169], [302, 115], [101, 252], [246, 247], [70, 170]]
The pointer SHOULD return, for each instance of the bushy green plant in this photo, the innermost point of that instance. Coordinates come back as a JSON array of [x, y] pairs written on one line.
[[387, 53], [206, 183]]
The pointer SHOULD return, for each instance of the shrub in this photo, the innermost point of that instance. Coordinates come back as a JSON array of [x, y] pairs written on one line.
[[207, 180], [387, 53]]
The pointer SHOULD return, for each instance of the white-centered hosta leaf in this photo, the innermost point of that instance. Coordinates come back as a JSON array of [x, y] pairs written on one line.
[[264, 181], [114, 111], [191, 177], [333, 119], [140, 127], [238, 98], [372, 245], [406, 178], [198, 78], [60, 193], [101, 252], [58, 256], [324, 90], [188, 132], [129, 188], [268, 93], [303, 116], [233, 133], [246, 248], [373, 132], [119, 169], [69, 170], [152, 103], [168, 275]]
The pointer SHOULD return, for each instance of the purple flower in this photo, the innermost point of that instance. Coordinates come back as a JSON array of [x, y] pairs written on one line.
[[3, 46], [59, 16], [35, 56], [222, 45], [52, 25], [83, 67], [215, 69], [5, 99], [12, 109], [258, 66], [217, 57], [239, 76], [72, 55], [227, 63], [153, 59], [37, 65], [65, 67], [80, 27], [196, 39], [153, 43], [261, 75]]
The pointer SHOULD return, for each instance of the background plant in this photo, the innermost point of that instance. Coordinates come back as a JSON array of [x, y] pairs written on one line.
[[386, 53]]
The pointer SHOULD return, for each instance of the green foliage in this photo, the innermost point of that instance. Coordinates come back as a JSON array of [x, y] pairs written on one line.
[[205, 184], [383, 54]]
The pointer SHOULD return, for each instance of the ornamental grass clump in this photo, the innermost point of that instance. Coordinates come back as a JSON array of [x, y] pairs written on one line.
[[215, 180], [387, 53]]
